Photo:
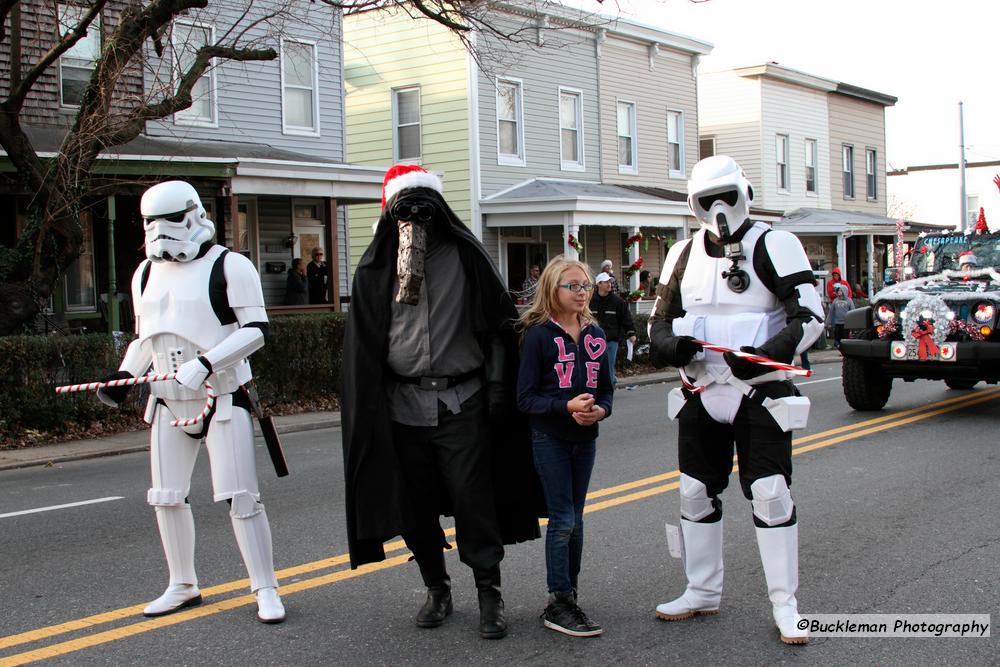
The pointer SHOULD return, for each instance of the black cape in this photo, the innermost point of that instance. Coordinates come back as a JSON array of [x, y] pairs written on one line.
[[375, 497]]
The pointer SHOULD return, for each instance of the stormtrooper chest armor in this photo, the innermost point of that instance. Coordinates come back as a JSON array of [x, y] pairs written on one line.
[[717, 314], [178, 322]]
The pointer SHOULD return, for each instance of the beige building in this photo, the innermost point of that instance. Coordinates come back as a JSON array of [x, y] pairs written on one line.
[[814, 148]]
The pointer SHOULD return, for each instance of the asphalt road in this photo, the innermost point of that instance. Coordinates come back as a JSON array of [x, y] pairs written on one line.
[[898, 512]]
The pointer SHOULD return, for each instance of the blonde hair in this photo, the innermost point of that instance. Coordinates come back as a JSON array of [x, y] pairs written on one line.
[[546, 302]]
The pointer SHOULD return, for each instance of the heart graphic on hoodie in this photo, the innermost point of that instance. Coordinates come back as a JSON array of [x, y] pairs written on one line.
[[595, 346]]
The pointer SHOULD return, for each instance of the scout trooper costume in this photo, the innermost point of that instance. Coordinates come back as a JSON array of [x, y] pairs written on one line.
[[199, 313], [737, 284]]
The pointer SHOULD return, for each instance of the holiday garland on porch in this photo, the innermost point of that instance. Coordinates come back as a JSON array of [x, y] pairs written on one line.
[[574, 244]]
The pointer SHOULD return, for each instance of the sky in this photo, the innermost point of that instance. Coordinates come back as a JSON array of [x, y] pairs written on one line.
[[927, 53]]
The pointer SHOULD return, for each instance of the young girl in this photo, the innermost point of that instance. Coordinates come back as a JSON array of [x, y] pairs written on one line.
[[564, 385]]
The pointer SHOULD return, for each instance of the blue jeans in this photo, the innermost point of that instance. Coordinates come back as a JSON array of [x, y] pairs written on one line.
[[612, 354], [564, 469]]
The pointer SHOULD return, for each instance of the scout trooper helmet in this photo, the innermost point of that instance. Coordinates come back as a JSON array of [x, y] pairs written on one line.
[[719, 195], [175, 221]]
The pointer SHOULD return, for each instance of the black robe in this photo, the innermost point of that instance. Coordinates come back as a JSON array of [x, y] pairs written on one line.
[[375, 497]]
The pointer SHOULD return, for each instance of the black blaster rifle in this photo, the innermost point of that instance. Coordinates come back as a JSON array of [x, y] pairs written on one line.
[[267, 430]]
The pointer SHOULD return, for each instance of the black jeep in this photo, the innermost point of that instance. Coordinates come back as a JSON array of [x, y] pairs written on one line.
[[938, 324]]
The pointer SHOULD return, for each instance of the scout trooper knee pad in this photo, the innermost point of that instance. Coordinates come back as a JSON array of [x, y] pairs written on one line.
[[167, 497], [695, 503], [772, 500], [244, 505]]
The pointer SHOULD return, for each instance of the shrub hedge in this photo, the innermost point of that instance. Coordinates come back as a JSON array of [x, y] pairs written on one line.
[[302, 359]]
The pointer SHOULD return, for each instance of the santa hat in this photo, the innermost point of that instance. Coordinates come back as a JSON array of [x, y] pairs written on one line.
[[967, 257], [402, 176]]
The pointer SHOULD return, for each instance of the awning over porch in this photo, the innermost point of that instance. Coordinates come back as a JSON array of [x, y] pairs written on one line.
[[557, 202], [250, 168], [832, 222]]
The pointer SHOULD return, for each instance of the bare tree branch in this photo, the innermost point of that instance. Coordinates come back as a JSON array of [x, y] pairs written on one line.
[[15, 100], [181, 100], [5, 7]]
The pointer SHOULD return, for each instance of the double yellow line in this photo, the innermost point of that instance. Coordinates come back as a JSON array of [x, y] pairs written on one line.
[[630, 492]]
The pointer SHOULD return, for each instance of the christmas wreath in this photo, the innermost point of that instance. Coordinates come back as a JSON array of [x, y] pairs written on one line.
[[574, 244]]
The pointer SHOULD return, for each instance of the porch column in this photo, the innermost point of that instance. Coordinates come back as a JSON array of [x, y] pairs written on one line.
[[871, 263], [114, 323], [233, 206], [633, 255], [842, 254], [330, 204], [570, 227]]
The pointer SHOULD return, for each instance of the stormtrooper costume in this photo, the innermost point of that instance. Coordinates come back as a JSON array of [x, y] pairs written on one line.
[[199, 312], [740, 285]]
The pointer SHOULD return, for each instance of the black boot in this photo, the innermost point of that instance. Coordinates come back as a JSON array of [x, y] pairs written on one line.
[[437, 606], [492, 624]]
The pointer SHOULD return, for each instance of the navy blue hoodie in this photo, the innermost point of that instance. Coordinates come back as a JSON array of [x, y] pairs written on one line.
[[555, 370]]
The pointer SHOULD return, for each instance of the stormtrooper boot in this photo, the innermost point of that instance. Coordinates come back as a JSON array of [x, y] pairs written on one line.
[[177, 535], [253, 535], [702, 558], [779, 554]]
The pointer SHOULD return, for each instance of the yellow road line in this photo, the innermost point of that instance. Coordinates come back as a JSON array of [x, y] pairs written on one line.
[[878, 424]]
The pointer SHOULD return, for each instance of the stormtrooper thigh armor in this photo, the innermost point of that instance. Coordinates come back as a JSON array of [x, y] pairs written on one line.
[[230, 448]]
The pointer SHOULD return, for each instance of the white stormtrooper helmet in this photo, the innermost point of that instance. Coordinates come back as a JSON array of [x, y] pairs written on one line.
[[719, 195], [175, 221]]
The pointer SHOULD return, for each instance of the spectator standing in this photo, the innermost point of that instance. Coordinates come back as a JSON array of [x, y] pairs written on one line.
[[839, 308], [836, 279], [614, 316], [318, 275], [297, 284], [609, 268], [530, 283]]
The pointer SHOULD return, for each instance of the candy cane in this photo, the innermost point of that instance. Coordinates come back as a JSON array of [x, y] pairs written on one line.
[[124, 382], [145, 379], [755, 358]]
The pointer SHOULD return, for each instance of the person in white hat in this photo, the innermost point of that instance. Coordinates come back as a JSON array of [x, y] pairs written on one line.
[[614, 316]]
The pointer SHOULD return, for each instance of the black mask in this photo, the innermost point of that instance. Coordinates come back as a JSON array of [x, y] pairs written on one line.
[[415, 209]]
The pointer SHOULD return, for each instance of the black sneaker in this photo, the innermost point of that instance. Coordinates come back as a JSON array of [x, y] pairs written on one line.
[[563, 615]]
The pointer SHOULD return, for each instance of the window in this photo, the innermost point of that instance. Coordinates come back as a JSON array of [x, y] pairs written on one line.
[[570, 129], [848, 169], [627, 157], [186, 40], [81, 295], [298, 88], [811, 162], [406, 121], [675, 143], [77, 63], [871, 174], [706, 147], [972, 210], [510, 133], [781, 156]]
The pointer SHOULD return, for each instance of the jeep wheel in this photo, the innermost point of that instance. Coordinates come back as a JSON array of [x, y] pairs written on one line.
[[959, 384], [865, 388]]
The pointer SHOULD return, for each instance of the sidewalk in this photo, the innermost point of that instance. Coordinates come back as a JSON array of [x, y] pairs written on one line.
[[137, 441]]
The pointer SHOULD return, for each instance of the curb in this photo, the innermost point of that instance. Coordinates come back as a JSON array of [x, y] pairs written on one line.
[[137, 441]]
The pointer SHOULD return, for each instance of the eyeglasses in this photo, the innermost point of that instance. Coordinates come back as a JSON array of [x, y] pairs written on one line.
[[576, 288], [421, 211]]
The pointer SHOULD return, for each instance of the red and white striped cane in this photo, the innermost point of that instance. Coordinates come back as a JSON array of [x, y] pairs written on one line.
[[755, 358], [145, 379]]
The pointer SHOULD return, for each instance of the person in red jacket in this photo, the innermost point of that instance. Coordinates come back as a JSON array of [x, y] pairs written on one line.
[[835, 280]]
